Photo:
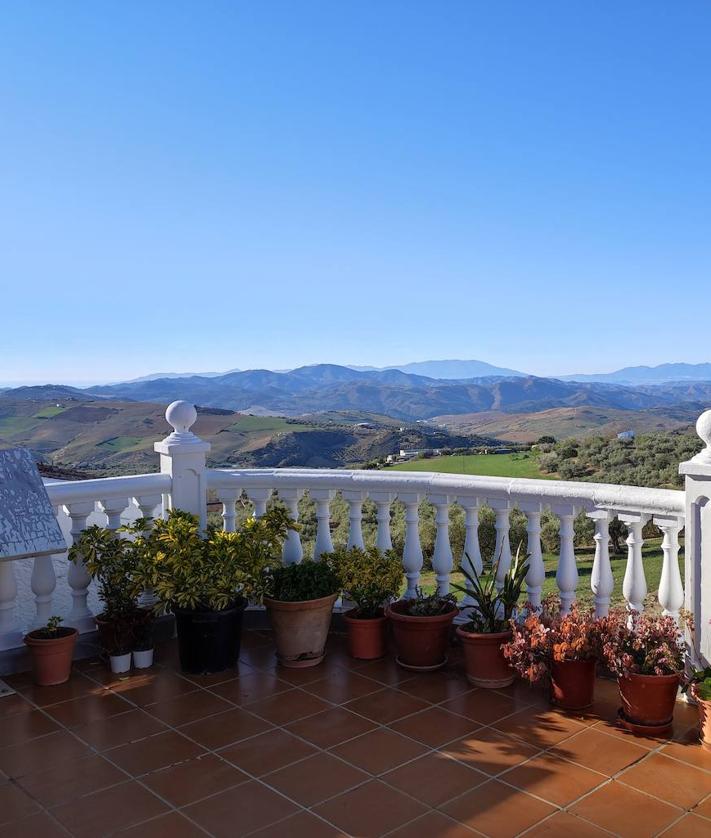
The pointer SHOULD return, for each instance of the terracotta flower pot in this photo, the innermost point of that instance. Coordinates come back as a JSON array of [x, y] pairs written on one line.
[[648, 701], [704, 706], [301, 629], [52, 657], [484, 660], [367, 636], [573, 683], [421, 642]]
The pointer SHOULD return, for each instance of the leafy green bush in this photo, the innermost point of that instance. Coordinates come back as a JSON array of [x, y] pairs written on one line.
[[369, 577], [429, 606], [303, 581]]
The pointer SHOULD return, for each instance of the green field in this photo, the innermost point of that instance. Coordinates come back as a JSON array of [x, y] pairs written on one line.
[[10, 425], [49, 412], [266, 424], [122, 443], [492, 465]]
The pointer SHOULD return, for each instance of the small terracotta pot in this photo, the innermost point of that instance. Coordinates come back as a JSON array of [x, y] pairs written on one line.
[[52, 657], [648, 700], [573, 683], [484, 659], [704, 706], [367, 636], [301, 629], [421, 642]]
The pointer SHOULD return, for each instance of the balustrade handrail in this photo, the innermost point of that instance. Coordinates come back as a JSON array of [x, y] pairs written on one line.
[[103, 488]]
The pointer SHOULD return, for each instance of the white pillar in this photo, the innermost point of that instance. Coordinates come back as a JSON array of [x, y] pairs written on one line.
[[471, 555], [536, 575], [671, 589], [80, 617], [259, 498], [412, 552], [566, 575], [228, 499], [382, 502], [502, 548], [183, 456], [442, 559], [292, 552], [43, 583], [324, 543], [602, 582], [10, 633], [113, 508], [147, 505], [634, 585], [355, 517]]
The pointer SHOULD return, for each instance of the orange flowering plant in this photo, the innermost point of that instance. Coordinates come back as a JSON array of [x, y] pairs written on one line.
[[543, 636]]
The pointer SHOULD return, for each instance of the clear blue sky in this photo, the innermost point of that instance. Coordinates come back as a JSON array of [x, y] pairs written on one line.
[[206, 185]]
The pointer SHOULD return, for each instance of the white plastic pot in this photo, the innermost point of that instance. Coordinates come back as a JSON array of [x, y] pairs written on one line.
[[143, 659], [120, 663]]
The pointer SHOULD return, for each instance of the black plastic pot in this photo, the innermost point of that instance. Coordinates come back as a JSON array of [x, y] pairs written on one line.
[[209, 641]]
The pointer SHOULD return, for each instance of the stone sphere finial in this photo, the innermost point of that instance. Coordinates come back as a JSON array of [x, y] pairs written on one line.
[[703, 429], [181, 415]]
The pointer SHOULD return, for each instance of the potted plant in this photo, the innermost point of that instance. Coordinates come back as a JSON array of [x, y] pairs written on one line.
[[207, 580], [421, 629], [646, 653], [370, 578], [489, 628], [51, 648], [143, 638], [114, 563], [700, 688], [561, 649], [299, 602]]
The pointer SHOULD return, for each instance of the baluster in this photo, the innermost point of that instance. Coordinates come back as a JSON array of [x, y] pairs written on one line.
[[322, 498], [634, 585], [228, 499], [442, 556], [602, 582], [292, 552], [147, 505], [10, 633], [382, 502], [113, 508], [471, 555], [536, 575], [412, 552], [502, 548], [671, 589], [355, 516], [566, 575], [80, 617], [43, 583], [259, 498]]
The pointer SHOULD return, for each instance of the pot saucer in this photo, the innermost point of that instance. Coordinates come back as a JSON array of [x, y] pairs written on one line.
[[643, 730], [421, 668]]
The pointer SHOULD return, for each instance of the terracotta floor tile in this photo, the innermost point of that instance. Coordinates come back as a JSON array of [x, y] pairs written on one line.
[[15, 803], [330, 727], [212, 679], [565, 825], [434, 778], [554, 779], [187, 708], [24, 725], [75, 779], [380, 750], [434, 825], [153, 753], [435, 726], [386, 671], [539, 727], [121, 729], [47, 751], [344, 685], [225, 728], [259, 657], [484, 706], [267, 752], [497, 810], [89, 708], [689, 751], [301, 825], [255, 686], [301, 677], [370, 810], [172, 825], [315, 779], [523, 694], [188, 782], [240, 810], [76, 687], [489, 751], [152, 687], [41, 825], [600, 752], [689, 827], [676, 783], [13, 705], [625, 812], [386, 706], [287, 707], [119, 806], [613, 728], [436, 687], [704, 808]]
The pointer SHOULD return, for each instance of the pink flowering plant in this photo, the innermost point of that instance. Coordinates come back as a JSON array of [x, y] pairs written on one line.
[[546, 636], [641, 644]]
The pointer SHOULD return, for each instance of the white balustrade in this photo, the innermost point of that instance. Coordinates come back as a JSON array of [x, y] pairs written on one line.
[[322, 499], [80, 617], [671, 589], [602, 582], [113, 508], [383, 501], [259, 498], [355, 518], [412, 552], [10, 632], [293, 552], [228, 499], [442, 559], [43, 583], [471, 554], [536, 575], [502, 547], [147, 504], [634, 585], [566, 576]]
